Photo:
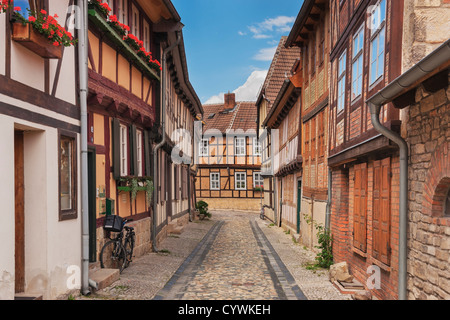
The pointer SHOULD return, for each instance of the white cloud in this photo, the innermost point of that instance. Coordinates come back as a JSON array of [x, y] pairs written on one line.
[[241, 33], [280, 24], [247, 92], [265, 54]]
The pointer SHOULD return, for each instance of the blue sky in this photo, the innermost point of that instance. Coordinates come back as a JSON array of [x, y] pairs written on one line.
[[230, 44]]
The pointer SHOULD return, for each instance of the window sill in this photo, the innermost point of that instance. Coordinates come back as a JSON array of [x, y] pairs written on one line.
[[359, 252], [380, 264]]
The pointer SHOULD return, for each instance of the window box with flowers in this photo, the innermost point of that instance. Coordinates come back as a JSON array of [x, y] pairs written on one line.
[[40, 33], [119, 34]]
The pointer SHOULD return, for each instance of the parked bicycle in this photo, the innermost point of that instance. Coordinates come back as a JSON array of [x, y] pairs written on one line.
[[117, 253]]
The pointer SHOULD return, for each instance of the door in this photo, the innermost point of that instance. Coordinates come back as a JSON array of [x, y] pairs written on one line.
[[299, 203], [19, 199], [92, 195]]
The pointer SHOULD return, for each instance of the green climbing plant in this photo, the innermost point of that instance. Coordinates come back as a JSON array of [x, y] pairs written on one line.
[[324, 258]]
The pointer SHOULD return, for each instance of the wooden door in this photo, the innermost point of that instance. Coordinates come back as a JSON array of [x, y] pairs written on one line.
[[19, 192], [360, 207]]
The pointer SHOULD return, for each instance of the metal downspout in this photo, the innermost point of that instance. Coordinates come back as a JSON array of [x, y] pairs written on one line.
[[403, 211], [328, 212], [163, 125], [83, 74]]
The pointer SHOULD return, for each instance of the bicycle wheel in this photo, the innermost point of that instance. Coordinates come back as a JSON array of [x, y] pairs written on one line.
[[129, 247], [113, 256]]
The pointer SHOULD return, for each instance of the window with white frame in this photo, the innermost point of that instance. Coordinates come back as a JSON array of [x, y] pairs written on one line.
[[240, 181], [123, 150], [341, 81], [203, 148], [214, 179], [258, 181], [139, 153], [135, 21], [377, 41], [123, 11], [357, 63], [239, 146], [256, 147]]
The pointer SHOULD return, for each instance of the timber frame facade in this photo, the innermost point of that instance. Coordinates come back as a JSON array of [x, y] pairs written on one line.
[[125, 114], [229, 161], [311, 33], [364, 58], [40, 138]]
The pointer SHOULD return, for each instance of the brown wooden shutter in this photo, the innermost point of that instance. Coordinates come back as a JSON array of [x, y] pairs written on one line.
[[162, 175], [133, 151], [381, 210], [116, 148], [147, 158], [176, 182], [360, 207]]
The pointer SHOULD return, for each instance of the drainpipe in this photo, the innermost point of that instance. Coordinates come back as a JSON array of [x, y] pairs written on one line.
[[83, 74], [328, 212], [404, 82], [163, 125], [403, 210]]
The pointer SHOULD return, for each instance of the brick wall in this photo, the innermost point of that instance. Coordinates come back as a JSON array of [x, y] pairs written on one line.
[[342, 227], [428, 134]]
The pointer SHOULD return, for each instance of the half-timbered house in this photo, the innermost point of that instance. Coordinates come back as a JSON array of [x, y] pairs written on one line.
[[311, 33], [278, 109], [39, 142], [281, 68], [139, 93], [365, 56], [229, 157]]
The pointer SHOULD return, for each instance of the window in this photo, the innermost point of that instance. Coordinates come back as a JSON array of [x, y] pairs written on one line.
[[256, 147], [123, 150], [377, 41], [123, 11], [203, 149], [139, 153], [240, 181], [214, 179], [67, 177], [341, 81], [135, 21], [258, 181], [357, 63], [239, 146], [147, 38]]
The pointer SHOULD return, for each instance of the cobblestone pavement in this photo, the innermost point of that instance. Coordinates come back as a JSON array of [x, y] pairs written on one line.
[[233, 256]]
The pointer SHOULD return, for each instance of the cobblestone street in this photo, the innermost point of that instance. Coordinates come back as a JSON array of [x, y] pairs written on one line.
[[233, 256]]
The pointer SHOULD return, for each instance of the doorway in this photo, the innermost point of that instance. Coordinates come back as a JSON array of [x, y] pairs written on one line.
[[19, 202], [299, 203]]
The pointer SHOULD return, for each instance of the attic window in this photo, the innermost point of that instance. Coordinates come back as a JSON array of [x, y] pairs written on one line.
[[211, 115]]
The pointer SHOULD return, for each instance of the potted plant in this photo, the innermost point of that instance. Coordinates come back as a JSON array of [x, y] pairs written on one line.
[[202, 209]]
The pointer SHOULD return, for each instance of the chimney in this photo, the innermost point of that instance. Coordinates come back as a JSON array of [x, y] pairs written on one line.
[[230, 100]]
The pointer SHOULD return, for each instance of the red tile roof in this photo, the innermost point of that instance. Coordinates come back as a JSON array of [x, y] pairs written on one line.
[[243, 116], [280, 69]]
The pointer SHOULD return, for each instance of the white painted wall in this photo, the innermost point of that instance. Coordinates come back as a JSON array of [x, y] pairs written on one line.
[[51, 246]]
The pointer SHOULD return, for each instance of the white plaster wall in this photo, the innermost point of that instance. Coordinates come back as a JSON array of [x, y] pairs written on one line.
[[7, 267], [51, 246], [27, 67]]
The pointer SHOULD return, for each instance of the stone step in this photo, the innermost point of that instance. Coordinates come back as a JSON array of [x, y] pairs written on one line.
[[174, 228], [104, 277]]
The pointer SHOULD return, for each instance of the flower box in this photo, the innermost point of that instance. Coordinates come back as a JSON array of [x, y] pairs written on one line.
[[31, 39]]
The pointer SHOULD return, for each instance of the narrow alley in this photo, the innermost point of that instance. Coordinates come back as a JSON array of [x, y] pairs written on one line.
[[233, 256]]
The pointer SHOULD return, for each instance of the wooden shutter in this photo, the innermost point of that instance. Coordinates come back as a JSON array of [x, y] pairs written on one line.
[[162, 176], [360, 207], [176, 182], [381, 210], [133, 151], [116, 148], [147, 161]]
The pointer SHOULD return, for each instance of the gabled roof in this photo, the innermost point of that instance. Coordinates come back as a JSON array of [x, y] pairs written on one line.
[[241, 117], [280, 70]]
